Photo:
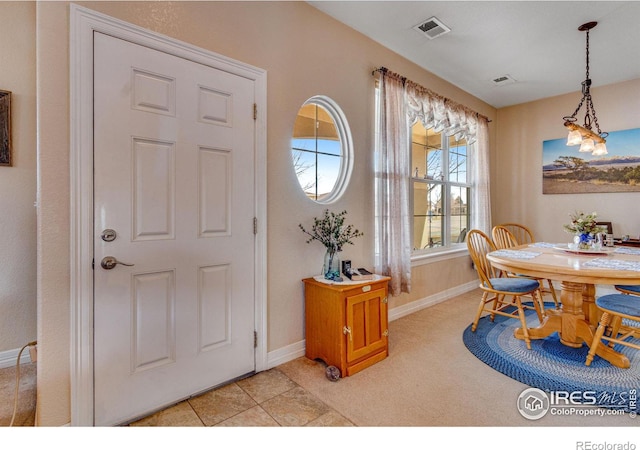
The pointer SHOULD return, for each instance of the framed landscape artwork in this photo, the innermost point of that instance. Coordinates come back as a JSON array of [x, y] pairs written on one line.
[[5, 128], [567, 171]]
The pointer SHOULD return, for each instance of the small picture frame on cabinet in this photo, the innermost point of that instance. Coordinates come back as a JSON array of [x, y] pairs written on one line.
[[5, 128]]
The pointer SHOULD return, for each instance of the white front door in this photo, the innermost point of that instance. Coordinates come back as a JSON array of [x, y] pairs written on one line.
[[174, 161]]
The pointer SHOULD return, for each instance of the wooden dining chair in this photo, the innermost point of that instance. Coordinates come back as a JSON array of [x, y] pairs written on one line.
[[501, 295], [521, 233], [628, 289], [615, 309], [631, 290], [504, 237]]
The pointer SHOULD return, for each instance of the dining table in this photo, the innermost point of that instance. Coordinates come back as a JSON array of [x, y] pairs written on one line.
[[579, 272]]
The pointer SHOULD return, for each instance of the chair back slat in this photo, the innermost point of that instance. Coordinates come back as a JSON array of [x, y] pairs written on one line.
[[503, 237], [479, 245], [521, 233], [509, 235]]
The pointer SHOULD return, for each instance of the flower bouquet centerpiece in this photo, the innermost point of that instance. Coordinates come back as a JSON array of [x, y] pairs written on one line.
[[331, 231], [584, 228]]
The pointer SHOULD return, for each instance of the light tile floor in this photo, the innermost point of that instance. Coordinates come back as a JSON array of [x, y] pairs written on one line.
[[267, 399]]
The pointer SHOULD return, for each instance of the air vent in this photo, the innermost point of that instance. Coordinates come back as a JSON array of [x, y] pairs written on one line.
[[504, 79], [432, 28]]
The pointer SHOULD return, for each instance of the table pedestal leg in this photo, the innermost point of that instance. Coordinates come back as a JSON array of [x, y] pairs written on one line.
[[551, 323], [590, 310], [573, 316], [575, 322]]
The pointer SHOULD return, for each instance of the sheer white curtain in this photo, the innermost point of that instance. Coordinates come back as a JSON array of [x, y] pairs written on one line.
[[400, 103], [481, 195], [393, 237]]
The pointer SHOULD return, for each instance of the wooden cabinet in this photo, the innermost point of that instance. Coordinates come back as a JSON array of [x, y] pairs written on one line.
[[347, 324]]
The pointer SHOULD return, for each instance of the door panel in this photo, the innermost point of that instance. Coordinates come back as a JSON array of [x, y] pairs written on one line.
[[154, 172], [366, 316], [214, 299], [174, 177], [214, 190], [153, 334]]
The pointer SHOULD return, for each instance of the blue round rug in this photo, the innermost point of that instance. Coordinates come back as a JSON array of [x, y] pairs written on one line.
[[552, 366]]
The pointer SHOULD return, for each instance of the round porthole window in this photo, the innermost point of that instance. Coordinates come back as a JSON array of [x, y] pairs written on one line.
[[321, 149]]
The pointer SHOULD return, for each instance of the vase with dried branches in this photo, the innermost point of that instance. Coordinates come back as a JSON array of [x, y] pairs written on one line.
[[331, 231]]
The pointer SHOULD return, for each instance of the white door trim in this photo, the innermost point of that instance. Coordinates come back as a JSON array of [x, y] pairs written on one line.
[[83, 23]]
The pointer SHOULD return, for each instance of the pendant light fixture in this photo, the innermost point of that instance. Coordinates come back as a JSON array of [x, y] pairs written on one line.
[[583, 135]]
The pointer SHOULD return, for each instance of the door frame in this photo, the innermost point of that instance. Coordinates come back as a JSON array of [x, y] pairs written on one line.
[[83, 23]]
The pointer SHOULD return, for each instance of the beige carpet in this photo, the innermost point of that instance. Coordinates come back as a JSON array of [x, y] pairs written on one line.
[[430, 379], [25, 415]]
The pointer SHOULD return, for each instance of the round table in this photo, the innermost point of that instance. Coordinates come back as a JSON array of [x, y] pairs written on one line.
[[577, 318]]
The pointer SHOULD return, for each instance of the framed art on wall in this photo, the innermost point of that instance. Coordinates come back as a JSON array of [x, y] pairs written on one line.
[[5, 128], [567, 171]]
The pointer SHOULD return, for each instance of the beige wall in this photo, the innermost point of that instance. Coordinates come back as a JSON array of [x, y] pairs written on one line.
[[18, 183], [431, 279], [277, 37], [517, 163]]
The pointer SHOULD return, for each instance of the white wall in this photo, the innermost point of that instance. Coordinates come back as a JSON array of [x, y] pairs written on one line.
[[18, 183]]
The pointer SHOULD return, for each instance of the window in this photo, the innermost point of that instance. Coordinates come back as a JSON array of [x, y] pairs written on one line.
[[440, 189], [422, 216], [321, 149]]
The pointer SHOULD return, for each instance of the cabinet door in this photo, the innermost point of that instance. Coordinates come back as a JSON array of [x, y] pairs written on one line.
[[367, 322]]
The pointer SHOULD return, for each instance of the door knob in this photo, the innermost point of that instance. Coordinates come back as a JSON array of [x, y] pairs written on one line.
[[109, 262]]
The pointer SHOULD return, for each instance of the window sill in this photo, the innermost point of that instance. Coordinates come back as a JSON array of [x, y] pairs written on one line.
[[437, 256]]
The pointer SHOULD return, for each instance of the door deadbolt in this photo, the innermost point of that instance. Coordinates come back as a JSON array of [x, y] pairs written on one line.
[[109, 235], [109, 262]]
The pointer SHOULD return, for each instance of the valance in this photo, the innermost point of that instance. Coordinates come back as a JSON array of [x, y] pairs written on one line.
[[438, 112]]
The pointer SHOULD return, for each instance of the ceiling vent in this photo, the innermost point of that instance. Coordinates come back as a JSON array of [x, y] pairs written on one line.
[[503, 80], [432, 28]]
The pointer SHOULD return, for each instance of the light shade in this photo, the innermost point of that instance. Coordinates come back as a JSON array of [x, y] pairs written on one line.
[[587, 145], [600, 149], [574, 138]]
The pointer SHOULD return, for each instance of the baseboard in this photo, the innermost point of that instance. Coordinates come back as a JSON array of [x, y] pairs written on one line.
[[431, 300], [296, 350], [285, 354], [8, 358]]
